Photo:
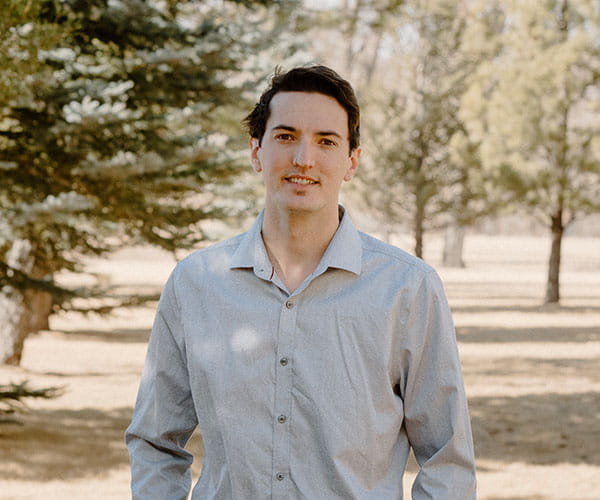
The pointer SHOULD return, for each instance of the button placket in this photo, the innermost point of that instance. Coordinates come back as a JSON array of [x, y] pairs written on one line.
[[283, 402]]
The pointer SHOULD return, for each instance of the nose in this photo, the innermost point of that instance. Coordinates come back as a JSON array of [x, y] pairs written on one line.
[[303, 155]]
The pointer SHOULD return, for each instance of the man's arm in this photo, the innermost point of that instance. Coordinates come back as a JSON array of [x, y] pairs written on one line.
[[164, 416], [436, 415]]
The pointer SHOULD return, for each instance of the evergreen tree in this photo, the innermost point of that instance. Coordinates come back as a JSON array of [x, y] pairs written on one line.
[[531, 110], [411, 62], [119, 125], [416, 115], [471, 195]]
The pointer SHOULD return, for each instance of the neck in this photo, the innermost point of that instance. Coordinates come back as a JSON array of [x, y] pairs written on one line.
[[296, 242]]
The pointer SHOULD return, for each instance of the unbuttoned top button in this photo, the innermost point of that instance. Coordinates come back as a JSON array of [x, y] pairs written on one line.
[[289, 304], [281, 419], [280, 476], [283, 361]]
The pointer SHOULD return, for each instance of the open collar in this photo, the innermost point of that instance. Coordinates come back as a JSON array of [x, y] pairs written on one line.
[[344, 250]]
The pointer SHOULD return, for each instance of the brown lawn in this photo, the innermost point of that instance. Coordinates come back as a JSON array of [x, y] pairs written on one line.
[[532, 374]]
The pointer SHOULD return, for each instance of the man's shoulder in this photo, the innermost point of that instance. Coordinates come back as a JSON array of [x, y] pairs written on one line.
[[375, 249], [218, 253]]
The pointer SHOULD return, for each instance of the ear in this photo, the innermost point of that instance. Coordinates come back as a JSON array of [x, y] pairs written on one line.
[[354, 157], [254, 149]]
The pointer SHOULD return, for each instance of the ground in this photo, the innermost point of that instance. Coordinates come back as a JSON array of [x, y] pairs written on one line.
[[531, 374]]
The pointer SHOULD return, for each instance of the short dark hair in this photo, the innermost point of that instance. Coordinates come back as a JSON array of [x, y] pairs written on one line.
[[320, 79]]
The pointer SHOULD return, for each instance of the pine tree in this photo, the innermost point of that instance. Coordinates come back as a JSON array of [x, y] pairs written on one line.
[[119, 125], [532, 112], [416, 116]]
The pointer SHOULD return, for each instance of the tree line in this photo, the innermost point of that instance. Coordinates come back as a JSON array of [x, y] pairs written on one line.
[[477, 107], [120, 122]]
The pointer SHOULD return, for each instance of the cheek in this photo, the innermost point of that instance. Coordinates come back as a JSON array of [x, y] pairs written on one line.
[[272, 158]]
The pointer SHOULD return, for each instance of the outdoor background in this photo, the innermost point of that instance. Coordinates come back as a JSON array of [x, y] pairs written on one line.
[[122, 150]]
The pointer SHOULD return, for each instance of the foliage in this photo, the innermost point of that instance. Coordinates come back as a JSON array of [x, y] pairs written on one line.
[[414, 116], [12, 396], [531, 109], [474, 107], [411, 62], [119, 123]]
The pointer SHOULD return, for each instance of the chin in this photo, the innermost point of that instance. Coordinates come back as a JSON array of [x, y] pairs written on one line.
[[307, 208], [301, 204]]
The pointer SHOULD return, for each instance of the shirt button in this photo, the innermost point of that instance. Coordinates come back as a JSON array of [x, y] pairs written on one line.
[[289, 304], [283, 361], [279, 476], [281, 419]]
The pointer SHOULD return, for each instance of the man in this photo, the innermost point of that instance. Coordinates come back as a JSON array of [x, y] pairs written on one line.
[[312, 356]]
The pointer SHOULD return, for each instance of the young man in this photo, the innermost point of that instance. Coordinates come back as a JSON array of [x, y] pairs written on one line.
[[312, 356]]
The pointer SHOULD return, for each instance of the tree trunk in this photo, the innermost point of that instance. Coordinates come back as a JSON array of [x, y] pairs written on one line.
[[12, 319], [553, 283], [419, 220], [41, 308], [15, 326], [21, 311], [454, 239], [419, 230], [354, 20]]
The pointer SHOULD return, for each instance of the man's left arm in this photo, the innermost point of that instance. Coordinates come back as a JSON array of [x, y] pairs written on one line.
[[436, 414]]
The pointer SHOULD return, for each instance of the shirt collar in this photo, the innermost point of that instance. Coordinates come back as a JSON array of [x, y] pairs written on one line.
[[251, 253], [344, 250]]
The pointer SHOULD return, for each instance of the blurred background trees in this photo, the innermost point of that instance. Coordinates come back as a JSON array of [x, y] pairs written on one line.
[[120, 123], [473, 108], [533, 110]]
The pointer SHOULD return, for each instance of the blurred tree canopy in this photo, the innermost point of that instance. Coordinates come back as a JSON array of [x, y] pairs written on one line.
[[415, 117], [474, 106], [412, 60], [119, 124], [532, 109]]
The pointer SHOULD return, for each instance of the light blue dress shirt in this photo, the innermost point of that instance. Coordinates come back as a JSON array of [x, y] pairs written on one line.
[[318, 394]]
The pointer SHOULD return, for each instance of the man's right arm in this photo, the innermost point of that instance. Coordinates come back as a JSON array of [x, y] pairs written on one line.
[[164, 416]]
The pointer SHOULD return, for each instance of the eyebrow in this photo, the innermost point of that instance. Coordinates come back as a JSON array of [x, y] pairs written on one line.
[[293, 129]]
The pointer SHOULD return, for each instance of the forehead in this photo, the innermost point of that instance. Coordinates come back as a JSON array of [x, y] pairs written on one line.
[[308, 110]]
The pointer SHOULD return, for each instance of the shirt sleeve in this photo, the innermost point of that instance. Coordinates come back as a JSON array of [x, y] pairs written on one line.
[[164, 416], [435, 405]]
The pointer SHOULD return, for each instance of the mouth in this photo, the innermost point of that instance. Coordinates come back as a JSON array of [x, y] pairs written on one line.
[[302, 180]]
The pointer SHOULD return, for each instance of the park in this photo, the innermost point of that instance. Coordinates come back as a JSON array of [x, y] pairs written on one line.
[[122, 150]]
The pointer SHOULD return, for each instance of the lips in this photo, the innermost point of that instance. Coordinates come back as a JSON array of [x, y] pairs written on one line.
[[302, 180]]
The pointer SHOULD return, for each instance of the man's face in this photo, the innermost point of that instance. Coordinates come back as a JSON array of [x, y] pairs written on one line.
[[304, 156]]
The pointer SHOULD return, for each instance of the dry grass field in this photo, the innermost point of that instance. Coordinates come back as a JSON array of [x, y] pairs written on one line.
[[532, 374]]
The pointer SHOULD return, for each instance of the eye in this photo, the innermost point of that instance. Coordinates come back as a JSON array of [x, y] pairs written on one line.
[[328, 142], [284, 137]]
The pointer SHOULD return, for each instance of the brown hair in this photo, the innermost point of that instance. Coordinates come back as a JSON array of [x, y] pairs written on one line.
[[320, 79]]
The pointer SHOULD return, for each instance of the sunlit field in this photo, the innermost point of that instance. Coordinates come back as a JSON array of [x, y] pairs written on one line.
[[531, 372]]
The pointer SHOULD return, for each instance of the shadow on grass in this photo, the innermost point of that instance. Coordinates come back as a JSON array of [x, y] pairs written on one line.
[[67, 444], [482, 334], [63, 444], [536, 309], [528, 497], [554, 369], [538, 429], [124, 336]]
